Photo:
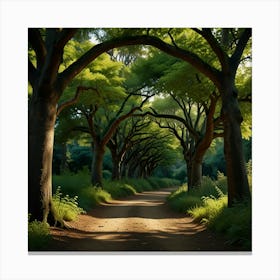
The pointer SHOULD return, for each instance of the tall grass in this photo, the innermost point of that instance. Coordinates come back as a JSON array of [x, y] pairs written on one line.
[[208, 205], [38, 235], [65, 207], [183, 199]]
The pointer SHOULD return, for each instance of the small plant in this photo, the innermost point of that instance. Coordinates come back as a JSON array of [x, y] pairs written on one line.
[[65, 207], [209, 210], [38, 235]]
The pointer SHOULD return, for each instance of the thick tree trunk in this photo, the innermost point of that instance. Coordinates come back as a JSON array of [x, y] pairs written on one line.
[[238, 187], [41, 121], [196, 174], [97, 164]]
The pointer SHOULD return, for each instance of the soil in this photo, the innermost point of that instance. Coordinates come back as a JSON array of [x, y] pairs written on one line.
[[143, 222]]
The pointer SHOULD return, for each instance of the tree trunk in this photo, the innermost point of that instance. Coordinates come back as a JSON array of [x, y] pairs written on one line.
[[116, 172], [196, 174], [97, 164], [41, 121], [238, 187]]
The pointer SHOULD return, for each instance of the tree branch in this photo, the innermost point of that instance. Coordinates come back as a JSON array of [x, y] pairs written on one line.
[[171, 37], [235, 58], [74, 99], [74, 69], [208, 36], [65, 35], [116, 122], [36, 41]]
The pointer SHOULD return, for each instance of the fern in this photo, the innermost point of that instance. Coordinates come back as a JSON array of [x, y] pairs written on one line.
[[65, 207]]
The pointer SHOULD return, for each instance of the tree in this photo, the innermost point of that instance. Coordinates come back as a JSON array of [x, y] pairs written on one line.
[[48, 84], [124, 138], [149, 150], [193, 124]]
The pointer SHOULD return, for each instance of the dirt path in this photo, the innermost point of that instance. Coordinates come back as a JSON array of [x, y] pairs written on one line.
[[142, 222]]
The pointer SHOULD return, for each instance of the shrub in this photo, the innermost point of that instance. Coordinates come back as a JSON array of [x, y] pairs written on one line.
[[180, 200], [236, 223], [118, 189], [168, 182], [70, 183], [209, 210], [38, 235], [208, 204], [140, 185], [92, 196]]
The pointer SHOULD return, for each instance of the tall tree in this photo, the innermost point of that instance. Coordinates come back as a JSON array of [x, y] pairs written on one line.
[[195, 126]]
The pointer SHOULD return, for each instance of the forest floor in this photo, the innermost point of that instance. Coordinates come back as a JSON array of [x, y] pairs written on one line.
[[142, 222]]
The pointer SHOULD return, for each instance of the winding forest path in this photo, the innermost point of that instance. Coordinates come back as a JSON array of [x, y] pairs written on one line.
[[142, 222]]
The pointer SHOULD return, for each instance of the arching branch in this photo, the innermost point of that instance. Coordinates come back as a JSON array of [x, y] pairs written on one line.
[[72, 101], [68, 74]]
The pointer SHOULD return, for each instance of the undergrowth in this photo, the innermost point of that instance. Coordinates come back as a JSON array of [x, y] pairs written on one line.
[[183, 199], [65, 207], [38, 235], [88, 196], [208, 205]]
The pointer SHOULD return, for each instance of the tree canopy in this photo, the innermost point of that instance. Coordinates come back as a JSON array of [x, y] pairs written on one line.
[[93, 87]]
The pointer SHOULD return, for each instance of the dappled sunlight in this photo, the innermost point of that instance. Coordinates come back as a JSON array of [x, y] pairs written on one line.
[[143, 223]]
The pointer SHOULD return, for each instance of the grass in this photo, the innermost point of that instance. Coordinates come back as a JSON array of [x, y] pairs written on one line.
[[92, 196], [38, 235], [87, 196], [208, 205], [65, 207], [73, 193], [183, 199], [119, 189]]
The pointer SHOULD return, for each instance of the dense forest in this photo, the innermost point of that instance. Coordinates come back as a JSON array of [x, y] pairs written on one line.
[[171, 106]]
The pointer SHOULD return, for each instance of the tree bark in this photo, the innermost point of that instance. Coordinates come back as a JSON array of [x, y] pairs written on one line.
[[116, 172], [97, 164], [196, 174], [238, 187], [41, 120]]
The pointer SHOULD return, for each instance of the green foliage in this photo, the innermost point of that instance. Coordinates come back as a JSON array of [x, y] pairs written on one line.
[[65, 207], [208, 205], [140, 185], [38, 235], [92, 196], [71, 183], [234, 222], [210, 209], [157, 183], [214, 159], [119, 189], [183, 199], [89, 196]]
